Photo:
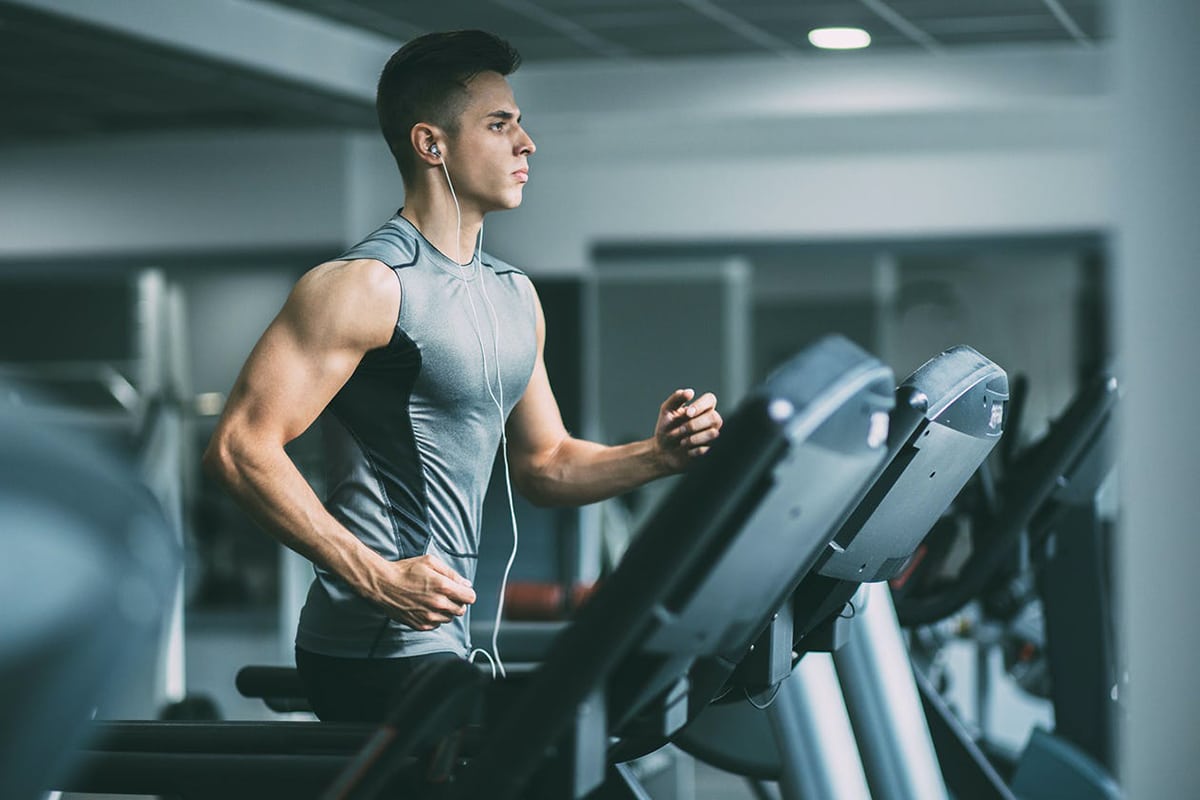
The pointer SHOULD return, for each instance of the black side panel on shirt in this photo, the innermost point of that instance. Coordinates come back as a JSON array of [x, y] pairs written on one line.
[[374, 407]]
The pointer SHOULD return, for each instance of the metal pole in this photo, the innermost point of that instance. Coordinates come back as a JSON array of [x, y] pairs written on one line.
[[812, 729], [885, 708]]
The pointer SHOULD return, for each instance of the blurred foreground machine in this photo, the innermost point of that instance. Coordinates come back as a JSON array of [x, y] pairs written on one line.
[[88, 570]]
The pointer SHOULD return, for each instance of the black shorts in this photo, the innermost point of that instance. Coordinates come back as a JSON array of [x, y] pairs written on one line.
[[357, 689]]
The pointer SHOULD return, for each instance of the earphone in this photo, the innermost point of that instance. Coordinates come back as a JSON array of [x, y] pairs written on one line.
[[499, 403]]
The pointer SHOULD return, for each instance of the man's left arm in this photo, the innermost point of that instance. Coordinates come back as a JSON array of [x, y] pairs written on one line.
[[550, 467]]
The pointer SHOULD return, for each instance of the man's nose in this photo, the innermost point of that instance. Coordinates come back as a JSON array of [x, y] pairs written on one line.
[[526, 146]]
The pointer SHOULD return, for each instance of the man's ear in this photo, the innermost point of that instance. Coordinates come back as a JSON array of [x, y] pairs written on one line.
[[429, 142]]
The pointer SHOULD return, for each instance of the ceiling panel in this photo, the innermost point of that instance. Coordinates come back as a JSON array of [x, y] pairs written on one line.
[[671, 28], [64, 78], [1002, 21], [793, 21]]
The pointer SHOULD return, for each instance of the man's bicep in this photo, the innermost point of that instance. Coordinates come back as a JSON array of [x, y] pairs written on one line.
[[307, 354], [286, 382]]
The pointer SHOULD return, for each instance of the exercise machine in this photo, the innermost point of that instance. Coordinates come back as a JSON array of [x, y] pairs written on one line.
[[848, 721]]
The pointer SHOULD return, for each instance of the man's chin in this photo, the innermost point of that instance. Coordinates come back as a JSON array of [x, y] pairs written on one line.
[[508, 203]]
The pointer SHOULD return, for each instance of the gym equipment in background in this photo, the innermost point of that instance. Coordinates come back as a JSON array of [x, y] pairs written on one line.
[[1037, 573]]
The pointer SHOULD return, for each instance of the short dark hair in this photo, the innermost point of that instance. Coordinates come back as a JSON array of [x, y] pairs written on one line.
[[426, 81]]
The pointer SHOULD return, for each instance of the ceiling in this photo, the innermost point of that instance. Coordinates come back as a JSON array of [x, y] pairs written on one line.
[[62, 78], [69, 73], [552, 30]]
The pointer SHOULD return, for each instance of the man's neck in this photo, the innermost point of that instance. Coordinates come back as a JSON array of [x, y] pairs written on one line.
[[434, 215]]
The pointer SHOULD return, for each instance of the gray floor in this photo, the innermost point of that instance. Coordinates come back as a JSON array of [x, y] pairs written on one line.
[[670, 774], [713, 784]]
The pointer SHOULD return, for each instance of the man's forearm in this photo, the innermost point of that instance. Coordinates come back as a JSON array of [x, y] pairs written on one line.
[[266, 483], [579, 472]]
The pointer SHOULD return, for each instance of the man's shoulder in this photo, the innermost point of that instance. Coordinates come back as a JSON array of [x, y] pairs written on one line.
[[392, 243], [351, 301], [354, 277]]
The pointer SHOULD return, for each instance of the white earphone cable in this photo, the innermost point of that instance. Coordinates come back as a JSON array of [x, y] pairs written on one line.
[[498, 402]]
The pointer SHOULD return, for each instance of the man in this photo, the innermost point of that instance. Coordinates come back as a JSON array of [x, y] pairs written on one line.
[[417, 350]]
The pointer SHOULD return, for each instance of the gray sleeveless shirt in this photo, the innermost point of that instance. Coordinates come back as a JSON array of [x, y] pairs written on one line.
[[411, 437]]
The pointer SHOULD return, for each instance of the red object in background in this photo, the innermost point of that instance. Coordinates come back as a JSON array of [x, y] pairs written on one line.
[[533, 601]]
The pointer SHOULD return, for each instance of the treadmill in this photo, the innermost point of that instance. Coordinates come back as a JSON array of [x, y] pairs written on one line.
[[850, 723]]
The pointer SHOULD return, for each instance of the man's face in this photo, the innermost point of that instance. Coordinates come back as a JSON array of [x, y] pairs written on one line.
[[488, 156]]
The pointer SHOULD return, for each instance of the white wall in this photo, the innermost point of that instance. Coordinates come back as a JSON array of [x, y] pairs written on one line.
[[172, 193], [757, 196]]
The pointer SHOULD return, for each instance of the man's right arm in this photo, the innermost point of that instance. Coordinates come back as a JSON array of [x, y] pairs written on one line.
[[334, 315]]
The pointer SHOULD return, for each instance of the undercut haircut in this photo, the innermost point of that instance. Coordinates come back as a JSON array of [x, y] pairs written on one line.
[[426, 81]]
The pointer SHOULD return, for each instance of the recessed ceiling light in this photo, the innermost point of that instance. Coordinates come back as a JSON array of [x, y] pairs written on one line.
[[839, 38]]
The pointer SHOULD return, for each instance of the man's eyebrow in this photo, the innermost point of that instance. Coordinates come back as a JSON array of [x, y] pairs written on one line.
[[501, 114]]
